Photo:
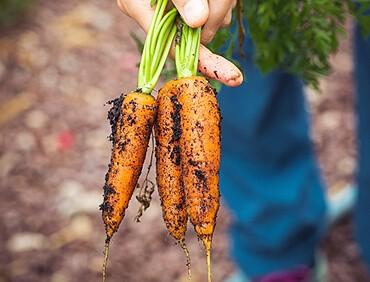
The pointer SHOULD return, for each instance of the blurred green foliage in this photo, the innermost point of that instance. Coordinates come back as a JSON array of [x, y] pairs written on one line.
[[297, 36], [11, 10]]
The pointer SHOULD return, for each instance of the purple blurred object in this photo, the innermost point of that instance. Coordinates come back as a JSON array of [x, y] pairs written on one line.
[[299, 274]]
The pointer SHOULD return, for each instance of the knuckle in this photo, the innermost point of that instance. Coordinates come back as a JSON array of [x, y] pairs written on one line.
[[208, 36], [121, 6], [226, 22]]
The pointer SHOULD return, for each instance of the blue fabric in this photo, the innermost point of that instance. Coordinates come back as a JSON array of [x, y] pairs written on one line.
[[269, 176], [362, 76]]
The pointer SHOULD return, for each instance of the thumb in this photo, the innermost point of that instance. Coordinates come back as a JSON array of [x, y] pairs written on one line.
[[194, 12]]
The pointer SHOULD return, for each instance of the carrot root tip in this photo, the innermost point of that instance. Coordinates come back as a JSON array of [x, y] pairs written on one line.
[[106, 255], [207, 242], [187, 254]]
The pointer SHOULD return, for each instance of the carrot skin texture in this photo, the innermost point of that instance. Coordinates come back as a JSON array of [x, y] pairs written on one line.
[[170, 188], [134, 120], [200, 153]]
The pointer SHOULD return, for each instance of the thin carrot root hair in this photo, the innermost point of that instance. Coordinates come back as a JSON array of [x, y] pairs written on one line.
[[187, 254], [207, 242], [106, 255], [147, 187]]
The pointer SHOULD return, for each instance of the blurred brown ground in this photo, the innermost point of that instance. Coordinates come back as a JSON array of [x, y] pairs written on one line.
[[58, 67]]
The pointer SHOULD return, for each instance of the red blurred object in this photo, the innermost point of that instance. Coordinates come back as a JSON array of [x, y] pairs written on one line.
[[66, 140]]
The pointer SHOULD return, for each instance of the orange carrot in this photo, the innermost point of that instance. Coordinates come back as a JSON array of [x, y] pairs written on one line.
[[133, 121], [171, 191], [200, 155], [200, 144]]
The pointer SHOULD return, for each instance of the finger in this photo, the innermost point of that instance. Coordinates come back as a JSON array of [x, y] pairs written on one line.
[[121, 6], [227, 20], [194, 12], [143, 15], [217, 13], [216, 67]]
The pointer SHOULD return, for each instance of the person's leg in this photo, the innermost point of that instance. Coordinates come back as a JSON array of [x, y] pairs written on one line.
[[362, 211], [269, 177]]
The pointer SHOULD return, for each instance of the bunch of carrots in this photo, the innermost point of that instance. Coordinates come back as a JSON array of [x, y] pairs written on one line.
[[186, 121]]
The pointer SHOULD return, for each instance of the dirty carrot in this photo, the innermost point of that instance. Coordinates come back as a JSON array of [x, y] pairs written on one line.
[[200, 155], [171, 191], [200, 140], [132, 117]]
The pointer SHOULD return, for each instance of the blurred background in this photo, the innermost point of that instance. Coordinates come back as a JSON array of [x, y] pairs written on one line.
[[60, 61]]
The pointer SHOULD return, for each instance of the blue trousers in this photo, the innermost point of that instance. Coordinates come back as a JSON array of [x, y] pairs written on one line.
[[269, 174]]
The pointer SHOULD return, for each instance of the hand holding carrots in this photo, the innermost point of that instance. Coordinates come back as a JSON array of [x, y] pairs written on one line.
[[212, 15]]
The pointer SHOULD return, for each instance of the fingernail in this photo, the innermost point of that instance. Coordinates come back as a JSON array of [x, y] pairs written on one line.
[[195, 13]]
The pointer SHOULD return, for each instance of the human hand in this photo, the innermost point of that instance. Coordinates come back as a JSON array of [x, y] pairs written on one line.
[[212, 15]]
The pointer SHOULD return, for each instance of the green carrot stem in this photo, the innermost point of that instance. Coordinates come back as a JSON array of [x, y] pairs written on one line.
[[163, 59], [156, 25], [194, 54], [152, 35], [190, 43], [164, 32], [185, 30], [178, 56], [187, 51], [146, 52], [157, 46], [197, 50]]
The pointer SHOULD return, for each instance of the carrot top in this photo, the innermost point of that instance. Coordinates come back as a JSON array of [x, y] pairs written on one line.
[[187, 49], [157, 46]]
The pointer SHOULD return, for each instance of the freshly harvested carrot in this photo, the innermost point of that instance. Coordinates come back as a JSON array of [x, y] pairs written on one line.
[[200, 142], [171, 191], [132, 118], [200, 155], [132, 128]]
